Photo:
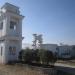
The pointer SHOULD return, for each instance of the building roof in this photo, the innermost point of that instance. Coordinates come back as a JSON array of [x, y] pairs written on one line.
[[9, 5], [10, 8]]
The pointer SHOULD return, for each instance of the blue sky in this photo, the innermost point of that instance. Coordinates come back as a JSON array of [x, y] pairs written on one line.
[[54, 19]]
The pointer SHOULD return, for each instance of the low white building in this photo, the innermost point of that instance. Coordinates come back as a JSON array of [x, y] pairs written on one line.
[[65, 51], [10, 33], [27, 45], [50, 47]]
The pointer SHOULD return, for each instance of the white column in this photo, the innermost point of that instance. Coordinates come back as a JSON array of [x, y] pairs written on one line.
[[6, 49], [7, 24]]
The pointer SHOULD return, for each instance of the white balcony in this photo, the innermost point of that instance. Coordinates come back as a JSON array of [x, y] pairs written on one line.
[[11, 38]]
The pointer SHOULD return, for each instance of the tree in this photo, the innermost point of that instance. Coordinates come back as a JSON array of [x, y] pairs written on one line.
[[73, 51], [35, 55], [21, 56], [42, 56], [28, 56], [47, 57]]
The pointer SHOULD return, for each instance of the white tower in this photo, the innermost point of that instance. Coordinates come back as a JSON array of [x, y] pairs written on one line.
[[10, 33]]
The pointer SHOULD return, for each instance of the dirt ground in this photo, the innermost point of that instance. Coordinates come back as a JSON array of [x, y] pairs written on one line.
[[20, 70]]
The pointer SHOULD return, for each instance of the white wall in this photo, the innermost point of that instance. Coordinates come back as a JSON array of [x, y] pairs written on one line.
[[63, 50], [2, 57], [51, 47], [3, 31]]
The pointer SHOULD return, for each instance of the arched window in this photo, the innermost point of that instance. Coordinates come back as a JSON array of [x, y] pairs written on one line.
[[10, 50], [1, 25], [14, 50]]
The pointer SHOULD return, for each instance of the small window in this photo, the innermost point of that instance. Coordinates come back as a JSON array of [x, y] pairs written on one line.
[[1, 25], [13, 25], [1, 51]]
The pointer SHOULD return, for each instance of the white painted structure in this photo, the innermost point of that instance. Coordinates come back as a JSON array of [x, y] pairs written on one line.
[[27, 45], [65, 51], [50, 47], [10, 33]]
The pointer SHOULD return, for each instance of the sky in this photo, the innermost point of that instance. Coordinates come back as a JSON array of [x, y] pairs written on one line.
[[54, 19]]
